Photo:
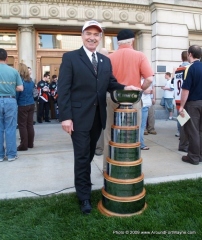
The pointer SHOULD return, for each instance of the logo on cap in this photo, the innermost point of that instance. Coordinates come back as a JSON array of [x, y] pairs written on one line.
[[92, 23]]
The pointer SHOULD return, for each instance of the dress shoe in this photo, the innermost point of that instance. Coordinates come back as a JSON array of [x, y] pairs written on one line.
[[188, 160], [21, 149], [47, 121], [39, 121], [182, 150], [152, 132], [86, 206], [146, 133]]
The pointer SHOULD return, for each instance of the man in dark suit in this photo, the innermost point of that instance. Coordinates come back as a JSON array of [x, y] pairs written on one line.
[[82, 85]]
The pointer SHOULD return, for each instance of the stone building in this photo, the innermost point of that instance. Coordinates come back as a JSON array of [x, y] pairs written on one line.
[[38, 32]]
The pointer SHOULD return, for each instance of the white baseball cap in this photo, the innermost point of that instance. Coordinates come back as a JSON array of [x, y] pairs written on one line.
[[92, 23]]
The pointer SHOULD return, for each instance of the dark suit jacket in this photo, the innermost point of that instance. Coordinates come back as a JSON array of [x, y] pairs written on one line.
[[80, 89]]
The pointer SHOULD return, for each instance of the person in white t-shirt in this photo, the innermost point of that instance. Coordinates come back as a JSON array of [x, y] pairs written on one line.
[[168, 95], [146, 104], [150, 126]]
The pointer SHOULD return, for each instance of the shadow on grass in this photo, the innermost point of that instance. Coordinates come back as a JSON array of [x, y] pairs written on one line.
[[174, 212]]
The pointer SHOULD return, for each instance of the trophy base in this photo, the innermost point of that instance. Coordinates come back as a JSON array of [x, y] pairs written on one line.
[[108, 213]]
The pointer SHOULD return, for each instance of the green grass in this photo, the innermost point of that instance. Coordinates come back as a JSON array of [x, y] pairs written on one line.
[[173, 208]]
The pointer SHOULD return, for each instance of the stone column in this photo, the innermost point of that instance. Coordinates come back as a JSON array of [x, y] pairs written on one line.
[[144, 42], [26, 45], [169, 39]]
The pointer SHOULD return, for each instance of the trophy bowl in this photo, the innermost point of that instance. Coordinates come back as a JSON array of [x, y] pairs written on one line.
[[126, 96]]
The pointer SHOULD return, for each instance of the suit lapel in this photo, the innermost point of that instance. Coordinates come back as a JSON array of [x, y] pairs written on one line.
[[86, 60]]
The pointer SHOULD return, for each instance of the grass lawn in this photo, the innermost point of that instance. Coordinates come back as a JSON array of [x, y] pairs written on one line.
[[174, 212]]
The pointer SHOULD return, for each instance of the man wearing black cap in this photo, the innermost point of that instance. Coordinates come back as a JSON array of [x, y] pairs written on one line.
[[84, 78], [128, 66]]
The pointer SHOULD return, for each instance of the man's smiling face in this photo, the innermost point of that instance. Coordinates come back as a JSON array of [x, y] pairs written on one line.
[[91, 38]]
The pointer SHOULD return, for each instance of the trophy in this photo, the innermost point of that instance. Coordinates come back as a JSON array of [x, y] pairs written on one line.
[[123, 193]]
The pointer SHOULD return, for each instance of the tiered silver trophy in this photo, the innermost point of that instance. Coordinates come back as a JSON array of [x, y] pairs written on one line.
[[123, 193]]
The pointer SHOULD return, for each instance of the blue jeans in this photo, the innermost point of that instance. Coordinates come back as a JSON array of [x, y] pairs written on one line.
[[143, 125], [8, 123], [169, 104]]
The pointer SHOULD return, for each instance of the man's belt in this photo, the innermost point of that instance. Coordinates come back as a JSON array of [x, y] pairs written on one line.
[[7, 96]]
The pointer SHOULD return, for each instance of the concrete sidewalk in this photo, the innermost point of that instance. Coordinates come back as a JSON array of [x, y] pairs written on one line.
[[49, 166]]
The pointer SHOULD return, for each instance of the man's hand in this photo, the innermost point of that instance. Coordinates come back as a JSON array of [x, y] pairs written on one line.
[[67, 126], [131, 87], [45, 89], [19, 88], [181, 112]]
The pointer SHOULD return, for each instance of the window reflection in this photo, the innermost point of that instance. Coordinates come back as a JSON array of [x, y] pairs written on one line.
[[59, 41], [46, 69], [70, 42], [111, 43], [7, 40]]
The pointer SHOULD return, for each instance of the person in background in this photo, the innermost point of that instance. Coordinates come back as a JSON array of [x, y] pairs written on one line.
[[10, 82], [146, 104], [30, 72], [104, 51], [191, 101], [36, 98], [168, 95], [26, 105], [54, 94], [179, 75], [43, 101], [100, 143], [150, 126], [84, 78], [128, 66]]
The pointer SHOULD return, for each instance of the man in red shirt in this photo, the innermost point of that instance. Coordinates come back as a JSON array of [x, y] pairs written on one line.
[[128, 66]]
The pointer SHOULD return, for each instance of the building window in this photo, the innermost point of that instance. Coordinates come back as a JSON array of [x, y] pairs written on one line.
[[8, 40], [110, 43], [46, 69], [59, 41]]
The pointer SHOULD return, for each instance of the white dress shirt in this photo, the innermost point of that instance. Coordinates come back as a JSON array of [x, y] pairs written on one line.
[[89, 53]]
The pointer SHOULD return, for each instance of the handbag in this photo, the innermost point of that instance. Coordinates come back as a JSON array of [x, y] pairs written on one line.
[[35, 93], [162, 102]]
